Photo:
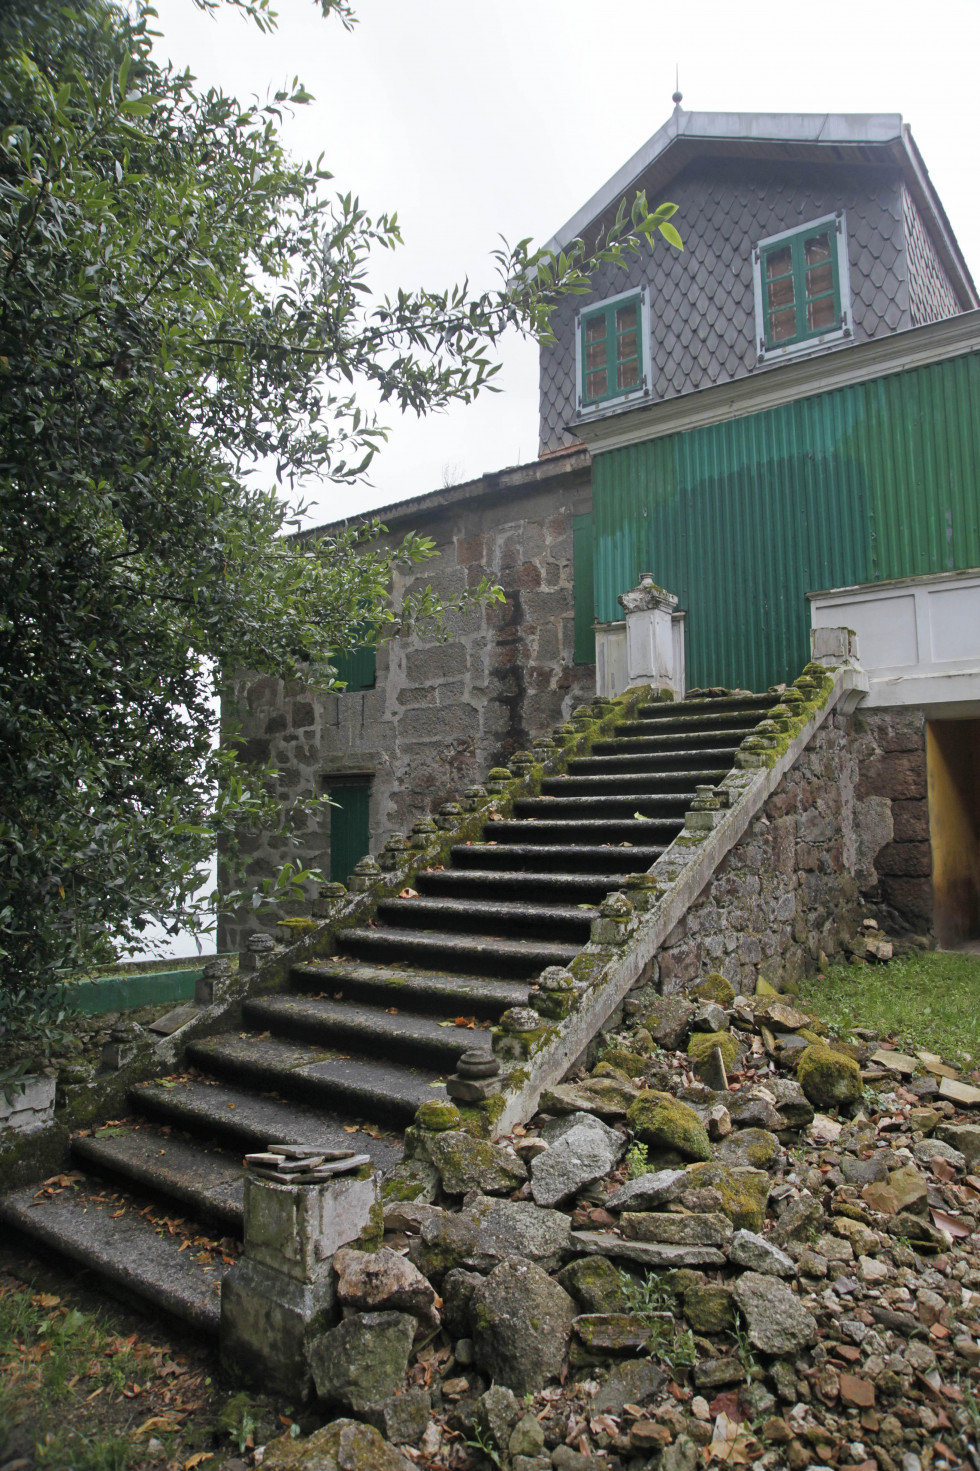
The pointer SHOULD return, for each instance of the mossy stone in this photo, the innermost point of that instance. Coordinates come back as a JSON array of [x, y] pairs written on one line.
[[754, 1147], [664, 1123], [763, 988], [744, 1192], [828, 1078], [437, 1115], [610, 1070], [715, 987], [595, 1284], [709, 1308], [627, 1062], [702, 1044]]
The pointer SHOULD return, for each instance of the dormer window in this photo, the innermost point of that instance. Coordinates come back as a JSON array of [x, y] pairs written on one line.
[[613, 357], [802, 300]]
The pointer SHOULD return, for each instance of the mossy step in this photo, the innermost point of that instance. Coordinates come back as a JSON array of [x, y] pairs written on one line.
[[563, 922], [604, 805], [243, 1121], [426, 990], [468, 954], [353, 1084], [570, 888], [693, 763], [201, 1178], [124, 1251], [550, 858], [633, 736], [697, 709], [592, 831], [631, 783], [704, 728], [369, 1029]]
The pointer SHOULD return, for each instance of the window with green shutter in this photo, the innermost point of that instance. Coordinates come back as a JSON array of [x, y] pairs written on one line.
[[613, 357], [801, 287], [350, 824], [356, 667]]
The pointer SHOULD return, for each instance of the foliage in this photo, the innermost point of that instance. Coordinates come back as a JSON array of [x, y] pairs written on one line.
[[924, 999], [637, 1161], [185, 326]]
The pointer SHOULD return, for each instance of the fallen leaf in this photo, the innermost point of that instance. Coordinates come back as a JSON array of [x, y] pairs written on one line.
[[952, 1224], [197, 1458], [46, 1300], [408, 894]]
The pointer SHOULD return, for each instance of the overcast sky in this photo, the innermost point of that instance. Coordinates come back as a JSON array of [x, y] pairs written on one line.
[[478, 120]]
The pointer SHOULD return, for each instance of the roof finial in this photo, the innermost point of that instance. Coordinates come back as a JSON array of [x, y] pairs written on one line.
[[678, 96]]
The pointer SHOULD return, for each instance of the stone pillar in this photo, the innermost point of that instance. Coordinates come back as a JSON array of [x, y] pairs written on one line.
[[281, 1294], [651, 642]]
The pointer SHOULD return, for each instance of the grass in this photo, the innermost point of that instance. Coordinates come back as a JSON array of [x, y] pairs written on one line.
[[81, 1391], [929, 1000]]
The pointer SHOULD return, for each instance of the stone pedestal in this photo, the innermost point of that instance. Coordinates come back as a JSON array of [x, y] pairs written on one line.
[[652, 644], [281, 1293]]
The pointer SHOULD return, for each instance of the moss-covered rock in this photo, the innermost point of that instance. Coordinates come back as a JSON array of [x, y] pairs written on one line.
[[702, 1044], [345, 1445], [437, 1115], [610, 1070], [664, 1123], [744, 1192], [715, 987], [709, 1308], [410, 1179], [756, 1148], [828, 1078], [465, 1163], [595, 1284], [627, 1062]]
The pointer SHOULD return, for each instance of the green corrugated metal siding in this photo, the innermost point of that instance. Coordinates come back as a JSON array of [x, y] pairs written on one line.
[[742, 519]]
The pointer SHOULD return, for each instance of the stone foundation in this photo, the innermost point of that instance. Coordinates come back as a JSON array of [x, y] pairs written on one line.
[[847, 830]]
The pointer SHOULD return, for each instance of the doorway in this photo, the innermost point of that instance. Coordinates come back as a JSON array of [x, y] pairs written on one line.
[[953, 766], [350, 824]]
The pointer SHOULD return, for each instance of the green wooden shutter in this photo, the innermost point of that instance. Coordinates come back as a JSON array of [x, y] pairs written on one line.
[[350, 825], [356, 668], [584, 589]]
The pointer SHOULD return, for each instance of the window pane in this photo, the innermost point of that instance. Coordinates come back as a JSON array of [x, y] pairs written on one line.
[[819, 279], [595, 355], [779, 262], [780, 293], [595, 385], [595, 329], [820, 314], [626, 319], [626, 346], [628, 374], [817, 249], [782, 326]]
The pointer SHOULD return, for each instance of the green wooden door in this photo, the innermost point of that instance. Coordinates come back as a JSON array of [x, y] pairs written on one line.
[[350, 824]]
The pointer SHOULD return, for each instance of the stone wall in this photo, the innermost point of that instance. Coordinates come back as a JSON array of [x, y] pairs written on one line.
[[440, 714], [846, 833]]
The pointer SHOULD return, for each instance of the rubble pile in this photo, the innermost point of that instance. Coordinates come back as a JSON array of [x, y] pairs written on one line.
[[733, 1241]]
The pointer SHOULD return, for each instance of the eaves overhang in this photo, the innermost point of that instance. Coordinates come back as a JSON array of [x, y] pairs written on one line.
[[785, 383], [856, 139]]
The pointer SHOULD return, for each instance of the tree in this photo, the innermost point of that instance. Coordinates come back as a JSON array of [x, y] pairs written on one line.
[[185, 321]]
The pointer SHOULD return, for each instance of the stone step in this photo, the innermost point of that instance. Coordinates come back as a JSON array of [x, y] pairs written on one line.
[[368, 1030], [243, 1121], [735, 705], [569, 888], [124, 1251], [602, 784], [691, 725], [560, 922], [469, 954], [204, 1180], [611, 805], [354, 1085], [593, 832], [715, 758], [422, 990], [633, 737], [549, 858]]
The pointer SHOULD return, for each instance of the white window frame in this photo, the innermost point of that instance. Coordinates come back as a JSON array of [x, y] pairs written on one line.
[[764, 354], [643, 390]]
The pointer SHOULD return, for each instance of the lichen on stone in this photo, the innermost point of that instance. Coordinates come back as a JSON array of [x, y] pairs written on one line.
[[828, 1078], [663, 1122]]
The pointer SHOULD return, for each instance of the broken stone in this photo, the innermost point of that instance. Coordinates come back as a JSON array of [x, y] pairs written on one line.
[[712, 1072], [926, 1150], [466, 1164], [496, 1413], [708, 1308], [595, 1284], [631, 1383], [581, 1149], [799, 1221], [963, 1094], [521, 1325], [896, 1062], [619, 1332], [363, 1359], [649, 1192], [695, 1230], [375, 1281], [828, 1078], [710, 1017], [795, 1109], [402, 1418], [484, 1233], [663, 1122], [755, 1110], [344, 1445], [782, 1018], [962, 1137], [607, 1098], [777, 1322], [649, 1254], [755, 1253], [670, 1021], [744, 1192], [755, 1148]]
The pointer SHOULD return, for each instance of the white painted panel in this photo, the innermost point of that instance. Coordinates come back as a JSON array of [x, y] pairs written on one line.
[[954, 617], [885, 628]]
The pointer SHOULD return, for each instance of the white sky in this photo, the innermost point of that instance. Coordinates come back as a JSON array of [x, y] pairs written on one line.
[[478, 120]]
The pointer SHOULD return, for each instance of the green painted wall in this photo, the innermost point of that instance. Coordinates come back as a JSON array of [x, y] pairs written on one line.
[[742, 519]]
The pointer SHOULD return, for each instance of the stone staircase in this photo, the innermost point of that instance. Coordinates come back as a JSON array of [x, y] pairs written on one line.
[[344, 1057]]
